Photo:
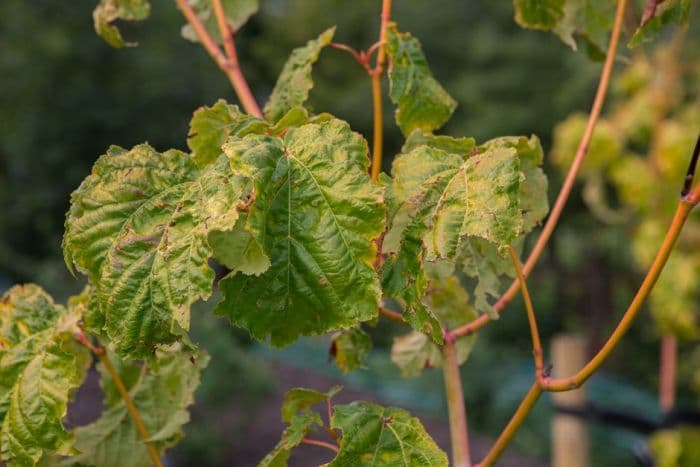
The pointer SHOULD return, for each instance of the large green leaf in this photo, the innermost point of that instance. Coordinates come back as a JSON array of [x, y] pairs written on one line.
[[422, 102], [237, 13], [382, 437], [294, 83], [161, 392], [210, 127], [538, 14], [109, 11], [40, 367], [315, 214], [138, 228]]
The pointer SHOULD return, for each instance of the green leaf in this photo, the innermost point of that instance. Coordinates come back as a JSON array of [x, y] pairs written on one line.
[[591, 20], [237, 13], [538, 14], [414, 352], [109, 11], [300, 400], [316, 214], [138, 228], [292, 436], [211, 127], [238, 250], [678, 447], [40, 367], [382, 437], [666, 12], [422, 103], [161, 392], [350, 348], [294, 83], [296, 412]]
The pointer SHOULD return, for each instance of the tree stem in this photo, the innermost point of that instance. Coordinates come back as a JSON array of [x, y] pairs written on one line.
[[229, 62], [455, 406], [667, 372], [513, 425], [565, 191], [376, 75]]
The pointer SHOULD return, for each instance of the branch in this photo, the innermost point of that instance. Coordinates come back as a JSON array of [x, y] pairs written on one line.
[[565, 191], [392, 315], [534, 332], [455, 407], [229, 62], [133, 411], [378, 143], [513, 425], [316, 442], [685, 205], [667, 372]]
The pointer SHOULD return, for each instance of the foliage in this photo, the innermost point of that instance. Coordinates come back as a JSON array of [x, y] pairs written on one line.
[[312, 245]]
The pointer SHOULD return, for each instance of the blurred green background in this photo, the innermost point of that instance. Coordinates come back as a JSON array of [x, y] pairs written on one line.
[[66, 96]]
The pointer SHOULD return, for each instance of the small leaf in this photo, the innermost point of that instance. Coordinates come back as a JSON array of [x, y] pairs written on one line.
[[422, 103], [211, 127], [238, 250], [237, 13], [316, 214], [161, 392], [662, 14], [294, 83], [109, 11], [538, 14], [350, 348], [138, 228], [300, 400], [382, 437], [40, 367], [591, 20], [414, 352]]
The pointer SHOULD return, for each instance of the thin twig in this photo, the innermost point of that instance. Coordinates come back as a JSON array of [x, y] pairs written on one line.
[[565, 191], [684, 207], [377, 108], [667, 372], [124, 393], [511, 428], [532, 321], [230, 65], [455, 406], [316, 442], [687, 183], [392, 315]]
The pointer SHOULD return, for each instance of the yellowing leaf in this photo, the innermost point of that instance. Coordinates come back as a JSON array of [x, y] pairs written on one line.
[[109, 11]]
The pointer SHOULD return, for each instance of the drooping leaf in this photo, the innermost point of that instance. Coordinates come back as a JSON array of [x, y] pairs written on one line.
[[316, 214], [538, 14], [237, 13], [664, 13], [422, 103], [465, 206], [414, 352], [109, 11], [382, 437], [211, 126], [591, 21], [138, 228], [40, 367], [349, 349], [294, 83], [161, 392]]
